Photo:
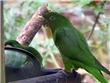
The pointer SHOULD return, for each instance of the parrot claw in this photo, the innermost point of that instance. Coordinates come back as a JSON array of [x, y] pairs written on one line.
[[74, 73], [67, 74], [64, 73]]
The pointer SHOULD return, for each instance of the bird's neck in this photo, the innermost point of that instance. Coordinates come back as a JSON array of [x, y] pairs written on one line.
[[56, 27]]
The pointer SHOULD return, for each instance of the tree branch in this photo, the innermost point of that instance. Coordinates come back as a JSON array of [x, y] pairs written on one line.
[[53, 78], [94, 25], [96, 21]]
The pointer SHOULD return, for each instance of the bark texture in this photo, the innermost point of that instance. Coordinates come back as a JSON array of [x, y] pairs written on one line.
[[32, 26]]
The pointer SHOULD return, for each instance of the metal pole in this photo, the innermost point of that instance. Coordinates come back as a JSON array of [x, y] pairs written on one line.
[[2, 66]]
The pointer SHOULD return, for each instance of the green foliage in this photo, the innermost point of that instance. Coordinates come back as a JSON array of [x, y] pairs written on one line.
[[96, 6], [81, 2], [16, 15]]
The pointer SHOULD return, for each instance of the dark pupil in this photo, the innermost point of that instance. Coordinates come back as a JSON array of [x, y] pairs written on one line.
[[52, 18]]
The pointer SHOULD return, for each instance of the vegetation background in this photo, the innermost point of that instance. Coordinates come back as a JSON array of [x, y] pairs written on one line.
[[82, 14]]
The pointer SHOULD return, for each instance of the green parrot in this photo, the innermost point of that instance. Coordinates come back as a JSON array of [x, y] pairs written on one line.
[[73, 46]]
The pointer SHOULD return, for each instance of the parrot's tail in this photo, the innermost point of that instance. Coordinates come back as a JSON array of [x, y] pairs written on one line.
[[98, 75], [100, 67], [105, 70]]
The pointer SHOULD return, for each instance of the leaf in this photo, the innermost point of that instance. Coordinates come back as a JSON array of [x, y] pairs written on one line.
[[96, 5], [81, 2]]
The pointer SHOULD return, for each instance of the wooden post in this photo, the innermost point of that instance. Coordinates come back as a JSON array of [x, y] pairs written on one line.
[[2, 68]]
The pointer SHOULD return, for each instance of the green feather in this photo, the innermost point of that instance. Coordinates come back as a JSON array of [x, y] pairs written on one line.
[[73, 46]]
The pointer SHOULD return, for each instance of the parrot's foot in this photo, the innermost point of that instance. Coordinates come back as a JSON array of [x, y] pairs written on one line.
[[74, 73], [67, 74], [64, 72]]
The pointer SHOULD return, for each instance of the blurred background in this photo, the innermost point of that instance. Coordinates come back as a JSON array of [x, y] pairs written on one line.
[[82, 13]]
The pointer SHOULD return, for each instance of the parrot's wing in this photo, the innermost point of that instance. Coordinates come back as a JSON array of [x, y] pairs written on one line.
[[96, 63], [73, 46]]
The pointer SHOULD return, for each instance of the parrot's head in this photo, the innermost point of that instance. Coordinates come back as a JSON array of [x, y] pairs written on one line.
[[54, 20]]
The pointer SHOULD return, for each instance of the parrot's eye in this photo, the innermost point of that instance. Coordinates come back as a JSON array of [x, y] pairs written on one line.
[[52, 18]]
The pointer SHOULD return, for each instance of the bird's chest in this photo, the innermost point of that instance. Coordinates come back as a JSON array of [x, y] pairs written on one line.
[[61, 41]]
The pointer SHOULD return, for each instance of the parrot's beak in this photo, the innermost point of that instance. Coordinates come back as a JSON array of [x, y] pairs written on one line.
[[46, 23]]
